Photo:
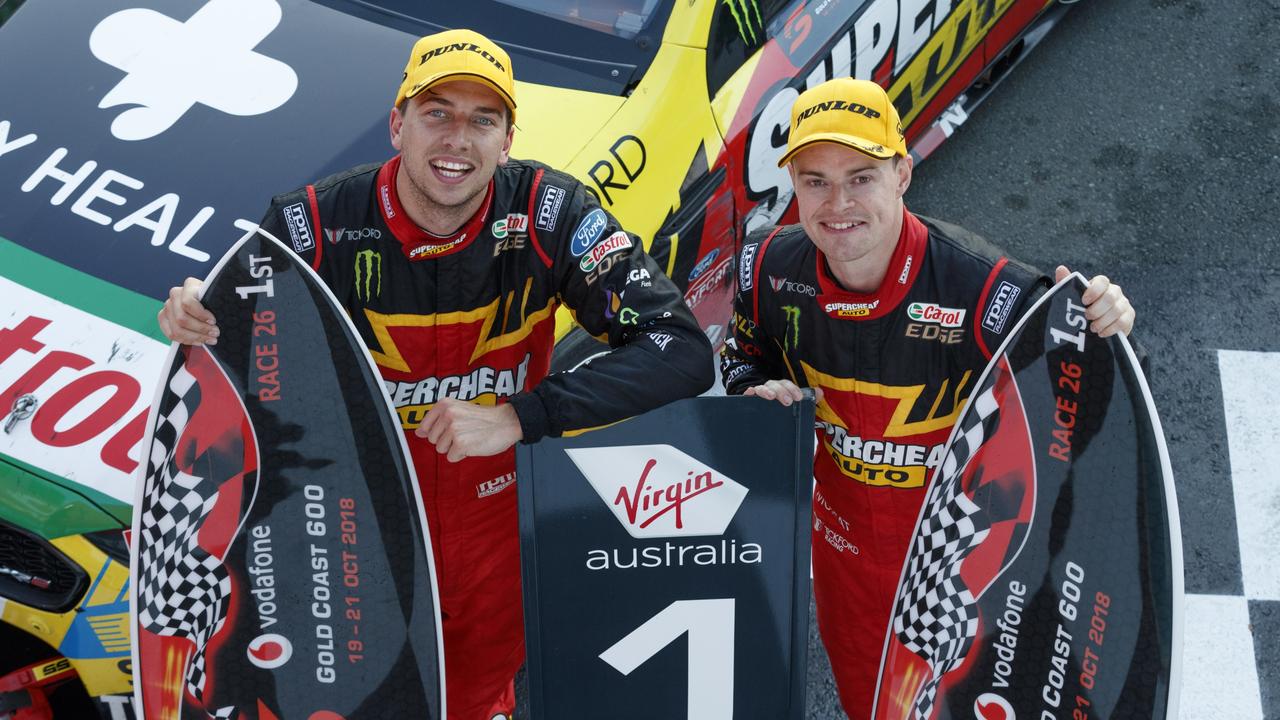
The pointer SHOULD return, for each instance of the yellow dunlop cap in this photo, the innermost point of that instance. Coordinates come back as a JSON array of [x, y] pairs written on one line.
[[853, 113], [458, 55]]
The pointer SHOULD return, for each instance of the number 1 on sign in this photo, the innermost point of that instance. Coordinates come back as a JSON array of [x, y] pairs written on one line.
[[710, 627]]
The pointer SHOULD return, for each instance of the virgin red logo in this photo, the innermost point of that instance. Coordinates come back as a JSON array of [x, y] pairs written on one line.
[[658, 491], [655, 502]]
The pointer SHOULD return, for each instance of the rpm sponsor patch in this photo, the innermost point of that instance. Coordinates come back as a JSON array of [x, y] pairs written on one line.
[[549, 202], [999, 307], [295, 218]]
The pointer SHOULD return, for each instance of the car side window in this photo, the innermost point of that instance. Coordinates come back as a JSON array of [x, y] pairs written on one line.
[[7, 9], [738, 29]]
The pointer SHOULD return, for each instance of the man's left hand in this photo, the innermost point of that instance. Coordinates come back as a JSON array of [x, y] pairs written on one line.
[[1106, 307], [461, 429]]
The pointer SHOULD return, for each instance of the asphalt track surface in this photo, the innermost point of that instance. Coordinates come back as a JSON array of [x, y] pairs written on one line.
[[1141, 140]]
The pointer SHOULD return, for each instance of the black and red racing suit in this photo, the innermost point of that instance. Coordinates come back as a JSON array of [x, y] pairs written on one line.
[[472, 317], [895, 367]]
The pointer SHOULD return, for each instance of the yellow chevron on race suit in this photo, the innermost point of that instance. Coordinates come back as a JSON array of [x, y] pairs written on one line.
[[876, 462], [391, 357], [504, 375]]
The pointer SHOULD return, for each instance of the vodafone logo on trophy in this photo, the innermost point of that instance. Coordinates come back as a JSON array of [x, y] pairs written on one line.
[[990, 706], [658, 491], [270, 651]]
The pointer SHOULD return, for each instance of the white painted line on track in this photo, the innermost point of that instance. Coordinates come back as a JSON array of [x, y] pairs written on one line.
[[1220, 675], [1251, 403]]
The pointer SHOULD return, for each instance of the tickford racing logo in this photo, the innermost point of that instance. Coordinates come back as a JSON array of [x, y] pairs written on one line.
[[483, 386], [932, 313], [879, 463]]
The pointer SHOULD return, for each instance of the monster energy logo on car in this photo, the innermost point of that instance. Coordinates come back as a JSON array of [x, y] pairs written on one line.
[[742, 10], [368, 274], [792, 337]]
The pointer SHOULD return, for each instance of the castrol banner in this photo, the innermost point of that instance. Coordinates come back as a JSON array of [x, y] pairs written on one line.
[[1044, 579], [666, 564], [281, 567], [90, 381]]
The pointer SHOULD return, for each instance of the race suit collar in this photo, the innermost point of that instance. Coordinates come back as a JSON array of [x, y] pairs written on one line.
[[418, 244], [904, 266]]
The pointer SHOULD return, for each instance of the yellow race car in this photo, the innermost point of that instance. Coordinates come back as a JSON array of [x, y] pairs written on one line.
[[675, 114]]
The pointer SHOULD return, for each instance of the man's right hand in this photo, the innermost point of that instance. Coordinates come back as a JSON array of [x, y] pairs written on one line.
[[784, 391], [183, 319]]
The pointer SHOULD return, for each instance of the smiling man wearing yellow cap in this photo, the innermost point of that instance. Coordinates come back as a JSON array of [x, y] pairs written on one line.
[[890, 317], [451, 259]]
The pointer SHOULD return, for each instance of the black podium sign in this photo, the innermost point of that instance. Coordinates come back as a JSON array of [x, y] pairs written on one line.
[[665, 564]]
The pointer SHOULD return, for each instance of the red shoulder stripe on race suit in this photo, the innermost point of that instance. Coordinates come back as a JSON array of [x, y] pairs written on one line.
[[416, 243], [982, 302], [533, 232], [315, 221], [904, 267], [755, 275]]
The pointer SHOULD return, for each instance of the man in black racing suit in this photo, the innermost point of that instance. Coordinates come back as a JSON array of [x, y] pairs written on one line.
[[891, 318], [461, 321]]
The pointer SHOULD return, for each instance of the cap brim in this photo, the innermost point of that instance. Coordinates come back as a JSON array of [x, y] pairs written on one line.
[[427, 83], [862, 145]]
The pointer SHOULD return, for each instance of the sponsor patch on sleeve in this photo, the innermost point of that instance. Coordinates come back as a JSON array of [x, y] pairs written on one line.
[[590, 228], [999, 307], [615, 242], [549, 202], [295, 218], [746, 266]]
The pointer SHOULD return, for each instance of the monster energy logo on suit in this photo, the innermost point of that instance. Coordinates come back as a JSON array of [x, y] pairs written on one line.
[[742, 11], [792, 338], [368, 274]]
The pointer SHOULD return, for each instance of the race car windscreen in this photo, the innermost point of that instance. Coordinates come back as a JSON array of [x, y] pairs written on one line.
[[599, 46], [622, 18]]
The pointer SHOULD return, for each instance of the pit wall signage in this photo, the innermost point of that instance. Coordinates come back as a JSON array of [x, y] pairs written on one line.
[[665, 564]]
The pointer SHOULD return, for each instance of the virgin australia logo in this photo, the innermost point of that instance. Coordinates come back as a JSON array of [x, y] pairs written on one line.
[[657, 491], [172, 65]]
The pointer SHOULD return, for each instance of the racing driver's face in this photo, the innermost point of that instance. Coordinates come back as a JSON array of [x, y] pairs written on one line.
[[451, 137], [850, 203]]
